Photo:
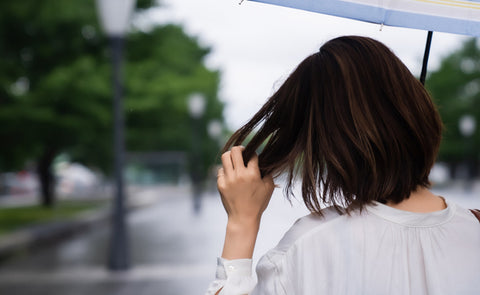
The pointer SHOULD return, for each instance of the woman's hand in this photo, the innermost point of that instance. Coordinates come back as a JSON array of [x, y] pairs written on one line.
[[245, 196]]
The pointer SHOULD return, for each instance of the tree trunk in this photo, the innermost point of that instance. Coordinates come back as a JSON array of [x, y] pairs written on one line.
[[46, 177]]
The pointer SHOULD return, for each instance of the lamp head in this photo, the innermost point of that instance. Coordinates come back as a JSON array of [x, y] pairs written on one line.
[[115, 16]]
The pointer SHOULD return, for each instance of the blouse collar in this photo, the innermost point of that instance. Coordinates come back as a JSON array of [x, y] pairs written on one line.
[[412, 219]]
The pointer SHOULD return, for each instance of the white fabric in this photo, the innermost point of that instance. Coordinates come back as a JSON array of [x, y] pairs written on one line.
[[233, 277], [379, 251]]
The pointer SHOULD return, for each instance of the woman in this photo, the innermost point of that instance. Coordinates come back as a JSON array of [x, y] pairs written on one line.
[[362, 134]]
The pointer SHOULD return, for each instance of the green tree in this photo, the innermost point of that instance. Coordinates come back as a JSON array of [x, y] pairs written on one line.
[[157, 116], [455, 88], [55, 90]]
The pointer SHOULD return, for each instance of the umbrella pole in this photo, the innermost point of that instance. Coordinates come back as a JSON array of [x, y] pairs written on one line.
[[425, 57]]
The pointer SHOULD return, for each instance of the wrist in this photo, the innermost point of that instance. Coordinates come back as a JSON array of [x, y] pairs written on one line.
[[243, 225], [240, 238]]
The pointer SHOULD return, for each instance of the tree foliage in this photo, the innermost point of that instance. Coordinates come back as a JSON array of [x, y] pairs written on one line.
[[56, 93], [455, 87]]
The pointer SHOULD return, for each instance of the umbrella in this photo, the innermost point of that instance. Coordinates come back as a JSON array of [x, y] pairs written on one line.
[[449, 16]]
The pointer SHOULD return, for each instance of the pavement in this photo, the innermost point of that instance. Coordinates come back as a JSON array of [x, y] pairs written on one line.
[[159, 237], [173, 250], [50, 232]]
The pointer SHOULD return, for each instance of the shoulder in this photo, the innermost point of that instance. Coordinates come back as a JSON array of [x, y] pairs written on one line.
[[305, 230], [309, 224], [463, 213]]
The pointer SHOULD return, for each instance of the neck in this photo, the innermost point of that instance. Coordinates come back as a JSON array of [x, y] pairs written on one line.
[[420, 201]]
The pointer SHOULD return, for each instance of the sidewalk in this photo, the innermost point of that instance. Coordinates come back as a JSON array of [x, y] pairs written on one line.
[[37, 235], [172, 252]]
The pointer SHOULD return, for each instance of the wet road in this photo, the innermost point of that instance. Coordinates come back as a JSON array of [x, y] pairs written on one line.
[[173, 251]]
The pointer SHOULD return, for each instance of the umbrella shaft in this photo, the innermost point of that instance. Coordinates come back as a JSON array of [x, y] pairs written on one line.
[[425, 57]]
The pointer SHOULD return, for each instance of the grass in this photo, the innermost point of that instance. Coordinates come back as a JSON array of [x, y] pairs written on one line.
[[15, 218]]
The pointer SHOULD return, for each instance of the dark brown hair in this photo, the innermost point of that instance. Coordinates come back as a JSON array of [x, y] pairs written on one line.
[[352, 122]]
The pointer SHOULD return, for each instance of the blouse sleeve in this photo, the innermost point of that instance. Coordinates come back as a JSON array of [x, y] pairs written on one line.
[[234, 277]]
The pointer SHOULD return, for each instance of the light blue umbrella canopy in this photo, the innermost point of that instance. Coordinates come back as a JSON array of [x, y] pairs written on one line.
[[450, 16]]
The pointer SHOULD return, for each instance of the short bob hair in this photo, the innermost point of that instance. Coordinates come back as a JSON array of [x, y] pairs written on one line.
[[352, 122]]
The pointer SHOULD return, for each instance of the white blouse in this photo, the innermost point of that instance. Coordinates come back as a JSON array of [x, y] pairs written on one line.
[[381, 250]]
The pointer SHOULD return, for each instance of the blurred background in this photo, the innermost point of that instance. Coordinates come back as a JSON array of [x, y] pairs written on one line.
[[186, 73]]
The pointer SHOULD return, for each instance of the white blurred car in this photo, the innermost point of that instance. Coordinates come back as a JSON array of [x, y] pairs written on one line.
[[74, 179]]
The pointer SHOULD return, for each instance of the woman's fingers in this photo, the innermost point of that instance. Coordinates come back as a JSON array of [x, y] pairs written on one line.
[[220, 178], [253, 162], [252, 165], [233, 162], [244, 193], [227, 163], [237, 157]]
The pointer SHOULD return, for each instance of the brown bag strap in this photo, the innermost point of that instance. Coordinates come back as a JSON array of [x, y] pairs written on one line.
[[476, 212]]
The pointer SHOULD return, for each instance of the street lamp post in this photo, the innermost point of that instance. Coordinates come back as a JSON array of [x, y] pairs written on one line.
[[196, 107], [114, 17]]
